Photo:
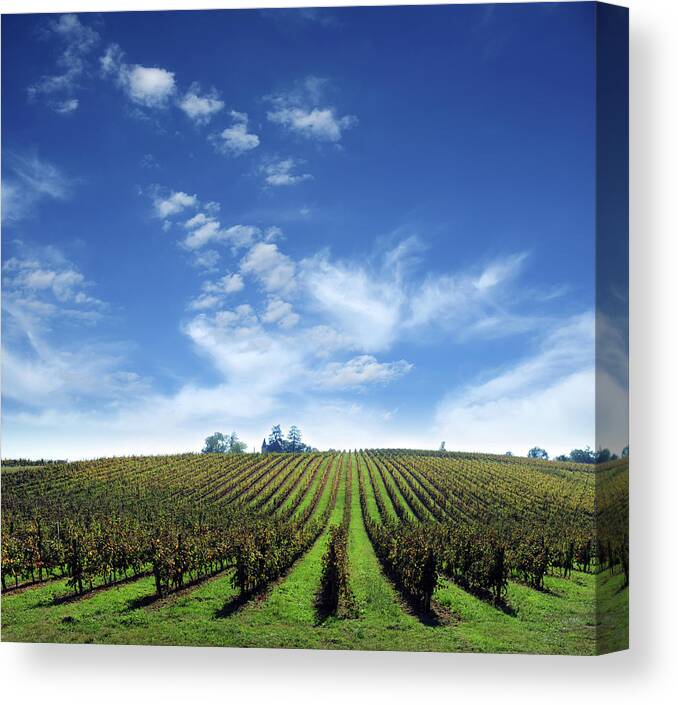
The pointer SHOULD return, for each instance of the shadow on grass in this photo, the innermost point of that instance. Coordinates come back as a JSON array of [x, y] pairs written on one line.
[[621, 588], [484, 596], [155, 599], [70, 597], [22, 587], [236, 603]]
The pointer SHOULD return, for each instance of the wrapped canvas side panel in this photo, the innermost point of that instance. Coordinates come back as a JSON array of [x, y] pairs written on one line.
[[612, 326]]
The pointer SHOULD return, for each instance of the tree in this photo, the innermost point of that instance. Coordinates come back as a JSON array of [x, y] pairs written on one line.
[[625, 452], [583, 456], [264, 447], [276, 442], [508, 452], [216, 443], [563, 458], [294, 444], [538, 453], [603, 455], [235, 445], [442, 447]]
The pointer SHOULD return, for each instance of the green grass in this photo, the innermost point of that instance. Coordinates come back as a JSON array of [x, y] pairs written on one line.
[[612, 614], [560, 620]]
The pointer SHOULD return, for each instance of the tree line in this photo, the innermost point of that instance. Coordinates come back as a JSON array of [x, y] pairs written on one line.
[[278, 443], [219, 443], [275, 443], [586, 455]]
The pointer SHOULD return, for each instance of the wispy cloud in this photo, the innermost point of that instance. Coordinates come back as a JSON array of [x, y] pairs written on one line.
[[77, 41], [46, 297], [30, 180], [539, 400], [293, 19], [281, 173]]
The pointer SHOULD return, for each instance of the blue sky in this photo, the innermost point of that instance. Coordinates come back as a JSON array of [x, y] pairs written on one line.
[[376, 223]]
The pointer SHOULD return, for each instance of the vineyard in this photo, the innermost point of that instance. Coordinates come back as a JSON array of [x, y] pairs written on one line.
[[379, 549]]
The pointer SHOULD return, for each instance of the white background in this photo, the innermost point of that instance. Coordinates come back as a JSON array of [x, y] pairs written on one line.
[[645, 674]]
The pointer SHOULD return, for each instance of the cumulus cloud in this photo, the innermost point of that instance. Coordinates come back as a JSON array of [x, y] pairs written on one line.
[[36, 285], [206, 260], [77, 41], [206, 230], [281, 173], [236, 140], [280, 312], [300, 111], [361, 371], [318, 123], [174, 204], [149, 87], [215, 292], [274, 270], [200, 107]]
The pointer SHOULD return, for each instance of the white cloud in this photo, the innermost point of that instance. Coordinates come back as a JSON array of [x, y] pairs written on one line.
[[150, 87], [148, 161], [274, 270], [236, 140], [175, 203], [451, 299], [37, 284], [612, 381], [204, 302], [280, 312], [361, 371], [300, 111], [547, 399], [245, 353], [111, 61], [207, 260], [280, 173], [228, 284], [44, 293], [197, 220], [363, 306], [238, 236], [65, 107], [30, 180], [45, 375], [200, 107], [214, 292], [77, 40], [321, 124]]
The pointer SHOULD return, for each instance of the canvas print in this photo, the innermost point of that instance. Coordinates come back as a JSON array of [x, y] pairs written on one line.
[[315, 328]]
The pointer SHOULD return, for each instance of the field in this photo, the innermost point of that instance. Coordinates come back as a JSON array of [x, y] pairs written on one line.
[[383, 549]]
